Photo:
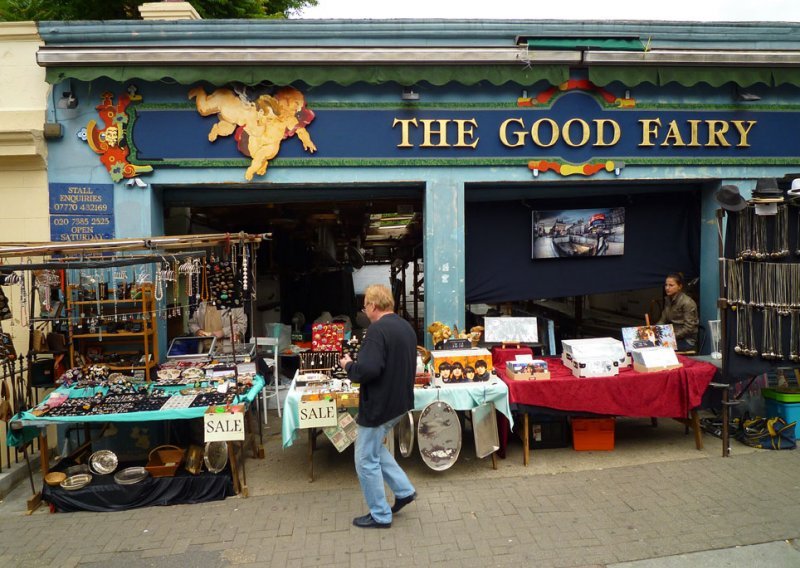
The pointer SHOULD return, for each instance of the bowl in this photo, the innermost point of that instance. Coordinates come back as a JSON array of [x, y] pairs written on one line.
[[54, 478]]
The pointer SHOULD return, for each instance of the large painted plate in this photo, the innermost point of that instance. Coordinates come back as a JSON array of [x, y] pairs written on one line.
[[439, 435]]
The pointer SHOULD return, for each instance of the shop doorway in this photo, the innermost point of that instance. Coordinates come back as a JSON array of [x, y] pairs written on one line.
[[326, 244]]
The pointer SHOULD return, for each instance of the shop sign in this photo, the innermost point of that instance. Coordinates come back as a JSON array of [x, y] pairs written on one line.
[[81, 212], [223, 424], [317, 413]]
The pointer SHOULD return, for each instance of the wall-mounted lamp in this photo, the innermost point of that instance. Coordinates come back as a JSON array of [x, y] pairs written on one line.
[[409, 94], [67, 100], [746, 96]]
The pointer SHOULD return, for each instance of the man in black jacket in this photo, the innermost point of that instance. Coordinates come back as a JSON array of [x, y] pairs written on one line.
[[385, 370]]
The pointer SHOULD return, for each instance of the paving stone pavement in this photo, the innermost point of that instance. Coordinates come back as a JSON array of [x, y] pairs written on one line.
[[627, 514]]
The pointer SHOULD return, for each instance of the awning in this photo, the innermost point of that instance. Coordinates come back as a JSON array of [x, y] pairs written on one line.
[[616, 44], [314, 75]]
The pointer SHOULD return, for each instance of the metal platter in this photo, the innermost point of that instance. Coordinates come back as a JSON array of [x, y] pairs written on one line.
[[77, 481], [103, 462], [216, 456], [130, 475], [405, 434], [484, 429], [76, 469], [439, 435]]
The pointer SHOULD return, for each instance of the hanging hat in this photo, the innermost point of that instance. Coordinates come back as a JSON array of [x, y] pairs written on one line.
[[767, 188], [794, 191], [729, 198]]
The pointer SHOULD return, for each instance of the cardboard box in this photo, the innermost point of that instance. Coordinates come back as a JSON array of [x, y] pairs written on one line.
[[518, 371], [652, 359]]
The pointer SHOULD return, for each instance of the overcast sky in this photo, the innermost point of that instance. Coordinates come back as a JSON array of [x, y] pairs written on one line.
[[687, 10]]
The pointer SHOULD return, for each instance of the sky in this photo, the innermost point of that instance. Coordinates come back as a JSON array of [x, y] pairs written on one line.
[[677, 10]]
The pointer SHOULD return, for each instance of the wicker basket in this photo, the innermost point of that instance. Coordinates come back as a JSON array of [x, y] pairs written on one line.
[[164, 461]]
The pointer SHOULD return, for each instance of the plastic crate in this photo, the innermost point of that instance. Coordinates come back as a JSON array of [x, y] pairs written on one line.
[[549, 433], [592, 434], [789, 411], [781, 395]]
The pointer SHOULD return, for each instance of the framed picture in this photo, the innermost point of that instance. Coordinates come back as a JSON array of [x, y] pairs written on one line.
[[648, 336], [568, 233]]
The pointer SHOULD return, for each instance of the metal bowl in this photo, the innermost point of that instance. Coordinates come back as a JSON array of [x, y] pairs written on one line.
[[103, 462]]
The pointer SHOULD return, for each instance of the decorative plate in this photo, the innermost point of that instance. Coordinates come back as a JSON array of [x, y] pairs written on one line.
[[76, 481], [216, 456], [103, 462], [130, 475], [169, 374], [193, 374], [439, 435]]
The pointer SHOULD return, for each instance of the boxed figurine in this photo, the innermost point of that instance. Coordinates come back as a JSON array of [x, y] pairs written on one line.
[[461, 365]]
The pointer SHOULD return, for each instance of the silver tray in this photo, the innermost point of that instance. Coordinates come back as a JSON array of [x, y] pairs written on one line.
[[130, 475], [405, 434], [77, 481], [439, 435], [103, 462], [484, 429], [216, 456], [76, 469]]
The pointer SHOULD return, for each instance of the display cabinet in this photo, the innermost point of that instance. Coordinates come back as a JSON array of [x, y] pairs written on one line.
[[120, 331]]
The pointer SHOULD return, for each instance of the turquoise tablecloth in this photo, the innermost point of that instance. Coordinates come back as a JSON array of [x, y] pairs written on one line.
[[462, 396], [26, 419]]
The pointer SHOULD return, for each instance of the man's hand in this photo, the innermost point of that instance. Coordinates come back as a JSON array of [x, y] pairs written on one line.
[[344, 360]]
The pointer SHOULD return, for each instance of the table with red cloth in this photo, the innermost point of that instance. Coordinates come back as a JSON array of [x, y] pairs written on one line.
[[673, 393]]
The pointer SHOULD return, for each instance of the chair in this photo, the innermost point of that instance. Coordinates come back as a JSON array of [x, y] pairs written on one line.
[[699, 343], [273, 385]]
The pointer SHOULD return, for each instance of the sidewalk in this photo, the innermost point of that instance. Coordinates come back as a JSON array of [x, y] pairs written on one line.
[[641, 506]]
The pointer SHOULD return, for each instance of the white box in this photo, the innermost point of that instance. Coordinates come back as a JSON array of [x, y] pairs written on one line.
[[593, 348], [594, 367], [650, 359]]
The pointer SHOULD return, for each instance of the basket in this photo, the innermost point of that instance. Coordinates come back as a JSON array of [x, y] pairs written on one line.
[[54, 478], [164, 461]]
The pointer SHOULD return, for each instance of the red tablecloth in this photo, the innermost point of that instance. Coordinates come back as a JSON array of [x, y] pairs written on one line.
[[661, 394]]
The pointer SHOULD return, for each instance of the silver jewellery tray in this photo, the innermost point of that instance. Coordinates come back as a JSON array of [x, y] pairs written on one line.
[[103, 462], [405, 434], [77, 481], [130, 475], [439, 435]]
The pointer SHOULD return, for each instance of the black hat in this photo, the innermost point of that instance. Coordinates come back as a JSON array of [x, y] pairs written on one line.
[[729, 198], [767, 188]]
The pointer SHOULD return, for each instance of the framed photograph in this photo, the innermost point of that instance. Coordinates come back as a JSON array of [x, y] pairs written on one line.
[[648, 336], [568, 233]]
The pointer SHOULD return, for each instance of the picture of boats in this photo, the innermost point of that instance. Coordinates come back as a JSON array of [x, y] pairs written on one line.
[[578, 233]]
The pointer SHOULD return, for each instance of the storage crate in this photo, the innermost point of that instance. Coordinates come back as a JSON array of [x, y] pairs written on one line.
[[593, 433], [781, 395], [789, 411], [548, 433]]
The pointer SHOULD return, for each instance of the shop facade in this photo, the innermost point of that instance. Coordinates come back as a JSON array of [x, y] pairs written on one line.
[[471, 128]]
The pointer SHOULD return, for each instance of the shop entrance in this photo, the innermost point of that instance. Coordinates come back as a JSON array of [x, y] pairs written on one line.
[[327, 245]]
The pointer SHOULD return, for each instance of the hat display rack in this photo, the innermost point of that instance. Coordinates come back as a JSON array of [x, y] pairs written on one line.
[[759, 296]]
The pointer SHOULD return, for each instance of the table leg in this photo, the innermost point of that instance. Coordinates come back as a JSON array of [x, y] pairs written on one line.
[[494, 460], [526, 450], [44, 452], [698, 433], [234, 469], [312, 440]]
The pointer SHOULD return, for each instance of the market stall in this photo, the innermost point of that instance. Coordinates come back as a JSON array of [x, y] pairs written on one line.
[[672, 393], [103, 305]]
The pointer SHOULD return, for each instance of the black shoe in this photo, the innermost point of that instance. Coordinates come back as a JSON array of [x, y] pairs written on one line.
[[401, 502], [367, 522]]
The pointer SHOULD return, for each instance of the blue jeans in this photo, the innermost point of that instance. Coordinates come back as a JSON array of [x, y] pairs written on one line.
[[374, 466]]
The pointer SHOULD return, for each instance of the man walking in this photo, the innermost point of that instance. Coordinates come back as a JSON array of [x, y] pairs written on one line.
[[385, 370]]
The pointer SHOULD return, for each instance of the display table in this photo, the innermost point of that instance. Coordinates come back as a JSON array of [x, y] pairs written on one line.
[[103, 493], [462, 396], [674, 393]]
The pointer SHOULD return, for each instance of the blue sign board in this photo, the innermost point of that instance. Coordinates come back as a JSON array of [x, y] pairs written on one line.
[[577, 127], [81, 212]]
